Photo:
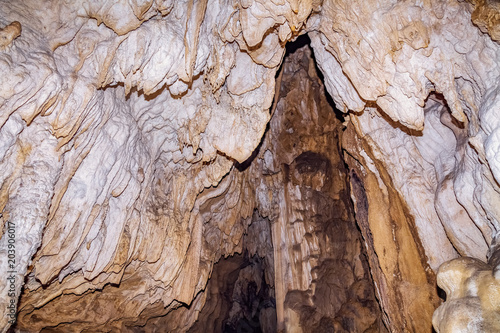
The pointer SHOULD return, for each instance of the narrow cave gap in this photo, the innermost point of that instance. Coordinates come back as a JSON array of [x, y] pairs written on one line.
[[300, 42], [338, 114], [321, 279]]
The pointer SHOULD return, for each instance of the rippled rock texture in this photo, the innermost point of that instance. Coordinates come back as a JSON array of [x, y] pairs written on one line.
[[322, 277], [137, 175]]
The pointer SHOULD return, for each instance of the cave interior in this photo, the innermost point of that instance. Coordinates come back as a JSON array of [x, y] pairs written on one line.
[[250, 166]]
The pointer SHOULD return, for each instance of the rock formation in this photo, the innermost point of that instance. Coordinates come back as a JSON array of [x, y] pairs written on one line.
[[175, 166]]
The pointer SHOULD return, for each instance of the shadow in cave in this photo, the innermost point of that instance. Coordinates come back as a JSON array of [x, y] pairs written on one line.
[[240, 296], [291, 48], [299, 43], [329, 286]]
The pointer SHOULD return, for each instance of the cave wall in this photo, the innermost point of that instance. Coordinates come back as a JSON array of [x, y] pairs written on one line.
[[303, 237], [444, 155], [314, 235], [125, 133], [432, 130], [121, 124], [322, 277]]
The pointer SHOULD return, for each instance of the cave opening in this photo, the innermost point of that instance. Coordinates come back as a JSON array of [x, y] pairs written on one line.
[[303, 261]]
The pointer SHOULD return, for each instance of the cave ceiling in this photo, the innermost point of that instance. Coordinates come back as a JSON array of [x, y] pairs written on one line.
[[334, 164]]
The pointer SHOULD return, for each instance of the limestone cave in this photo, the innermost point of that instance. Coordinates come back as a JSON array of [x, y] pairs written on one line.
[[238, 166]]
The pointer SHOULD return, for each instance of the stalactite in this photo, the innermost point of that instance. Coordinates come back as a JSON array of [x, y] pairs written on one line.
[[142, 142]]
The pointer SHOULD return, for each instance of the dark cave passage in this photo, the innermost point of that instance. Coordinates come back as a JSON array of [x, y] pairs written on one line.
[[240, 292], [312, 270]]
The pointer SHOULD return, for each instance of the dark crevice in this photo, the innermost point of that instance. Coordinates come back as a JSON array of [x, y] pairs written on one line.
[[328, 212]]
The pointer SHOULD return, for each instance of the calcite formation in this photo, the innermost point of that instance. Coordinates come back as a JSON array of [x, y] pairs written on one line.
[[322, 277], [159, 156], [472, 297], [9, 33]]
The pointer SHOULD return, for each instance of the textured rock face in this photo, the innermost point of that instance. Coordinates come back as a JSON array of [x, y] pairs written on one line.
[[126, 130], [322, 277], [442, 156], [445, 171], [472, 291], [119, 121]]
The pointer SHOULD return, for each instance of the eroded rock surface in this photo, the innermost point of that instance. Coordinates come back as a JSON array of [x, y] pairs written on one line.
[[440, 152], [472, 297], [121, 123], [322, 277]]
